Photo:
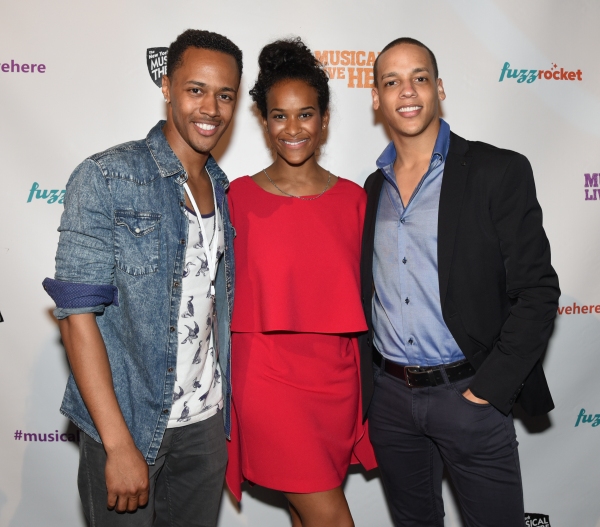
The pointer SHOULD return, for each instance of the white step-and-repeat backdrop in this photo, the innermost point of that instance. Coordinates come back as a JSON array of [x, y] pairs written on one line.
[[76, 78]]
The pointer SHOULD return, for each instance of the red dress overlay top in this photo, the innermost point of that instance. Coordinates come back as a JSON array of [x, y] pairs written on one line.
[[296, 416], [297, 262]]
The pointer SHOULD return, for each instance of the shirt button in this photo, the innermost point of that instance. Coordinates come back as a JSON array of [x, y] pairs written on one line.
[[165, 411], [407, 300], [170, 370], [175, 284], [402, 220], [410, 341], [171, 329], [137, 230], [182, 241], [182, 203], [404, 260]]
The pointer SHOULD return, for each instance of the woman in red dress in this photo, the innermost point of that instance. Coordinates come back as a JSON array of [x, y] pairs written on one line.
[[297, 422]]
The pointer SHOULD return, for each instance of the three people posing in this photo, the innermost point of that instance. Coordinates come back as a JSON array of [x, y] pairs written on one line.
[[457, 291]]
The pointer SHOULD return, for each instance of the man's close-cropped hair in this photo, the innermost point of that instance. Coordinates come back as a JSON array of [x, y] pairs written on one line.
[[198, 38], [406, 40]]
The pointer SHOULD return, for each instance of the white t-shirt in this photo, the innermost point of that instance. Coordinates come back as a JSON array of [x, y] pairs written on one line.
[[197, 394]]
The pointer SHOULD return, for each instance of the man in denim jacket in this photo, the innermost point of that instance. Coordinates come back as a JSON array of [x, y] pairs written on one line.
[[122, 266]]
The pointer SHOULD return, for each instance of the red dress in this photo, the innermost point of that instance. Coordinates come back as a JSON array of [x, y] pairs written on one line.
[[296, 412]]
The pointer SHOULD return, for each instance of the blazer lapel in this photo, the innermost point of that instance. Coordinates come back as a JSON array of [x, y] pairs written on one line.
[[456, 170], [368, 242]]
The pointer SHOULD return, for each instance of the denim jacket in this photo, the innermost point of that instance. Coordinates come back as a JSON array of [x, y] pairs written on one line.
[[121, 253]]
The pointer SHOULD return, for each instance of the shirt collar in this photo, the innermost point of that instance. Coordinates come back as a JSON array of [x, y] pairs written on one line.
[[169, 164], [386, 160]]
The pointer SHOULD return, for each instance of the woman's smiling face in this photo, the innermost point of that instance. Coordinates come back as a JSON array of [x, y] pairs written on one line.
[[293, 123]]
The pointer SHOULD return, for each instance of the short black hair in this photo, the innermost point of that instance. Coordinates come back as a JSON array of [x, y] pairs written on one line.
[[289, 59], [406, 40], [198, 38]]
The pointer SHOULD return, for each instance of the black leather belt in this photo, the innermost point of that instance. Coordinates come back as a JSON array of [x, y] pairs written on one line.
[[419, 377]]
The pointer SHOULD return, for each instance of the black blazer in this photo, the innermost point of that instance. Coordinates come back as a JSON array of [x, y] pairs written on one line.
[[498, 290]]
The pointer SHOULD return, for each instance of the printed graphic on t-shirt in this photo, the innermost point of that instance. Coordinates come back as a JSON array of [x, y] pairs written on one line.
[[197, 393]]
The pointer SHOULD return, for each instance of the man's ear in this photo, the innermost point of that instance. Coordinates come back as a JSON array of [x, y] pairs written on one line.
[[166, 88], [440, 88], [375, 95]]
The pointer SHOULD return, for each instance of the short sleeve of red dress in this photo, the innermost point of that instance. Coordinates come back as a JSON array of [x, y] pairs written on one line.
[[297, 260]]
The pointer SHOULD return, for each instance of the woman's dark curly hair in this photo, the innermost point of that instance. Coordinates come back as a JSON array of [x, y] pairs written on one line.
[[289, 59]]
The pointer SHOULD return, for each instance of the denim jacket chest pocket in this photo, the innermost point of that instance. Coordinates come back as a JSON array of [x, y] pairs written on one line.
[[137, 241]]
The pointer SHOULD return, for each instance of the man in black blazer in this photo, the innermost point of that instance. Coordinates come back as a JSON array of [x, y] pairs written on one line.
[[460, 298]]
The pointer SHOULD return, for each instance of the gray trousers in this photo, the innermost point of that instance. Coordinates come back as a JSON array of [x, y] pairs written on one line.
[[186, 482], [415, 432]]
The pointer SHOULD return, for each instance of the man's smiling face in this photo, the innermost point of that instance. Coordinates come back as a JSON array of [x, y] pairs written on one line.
[[202, 93], [406, 90]]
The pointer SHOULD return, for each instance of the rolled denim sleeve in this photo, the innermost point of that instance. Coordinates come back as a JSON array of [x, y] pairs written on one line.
[[85, 262]]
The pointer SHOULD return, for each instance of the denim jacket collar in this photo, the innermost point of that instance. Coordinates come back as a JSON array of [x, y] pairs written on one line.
[[169, 165]]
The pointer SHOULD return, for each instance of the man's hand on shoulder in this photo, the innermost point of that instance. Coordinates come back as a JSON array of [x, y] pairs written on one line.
[[126, 476], [469, 396]]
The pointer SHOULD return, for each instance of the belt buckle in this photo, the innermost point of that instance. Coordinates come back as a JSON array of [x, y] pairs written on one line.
[[407, 371]]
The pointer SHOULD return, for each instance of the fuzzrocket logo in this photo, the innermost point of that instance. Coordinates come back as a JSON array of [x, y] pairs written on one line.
[[554, 73], [584, 418], [156, 60], [49, 196]]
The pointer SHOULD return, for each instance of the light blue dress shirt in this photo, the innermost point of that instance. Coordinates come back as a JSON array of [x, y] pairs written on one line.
[[407, 316]]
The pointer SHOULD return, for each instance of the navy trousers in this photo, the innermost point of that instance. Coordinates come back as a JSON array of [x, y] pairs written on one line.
[[417, 431]]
